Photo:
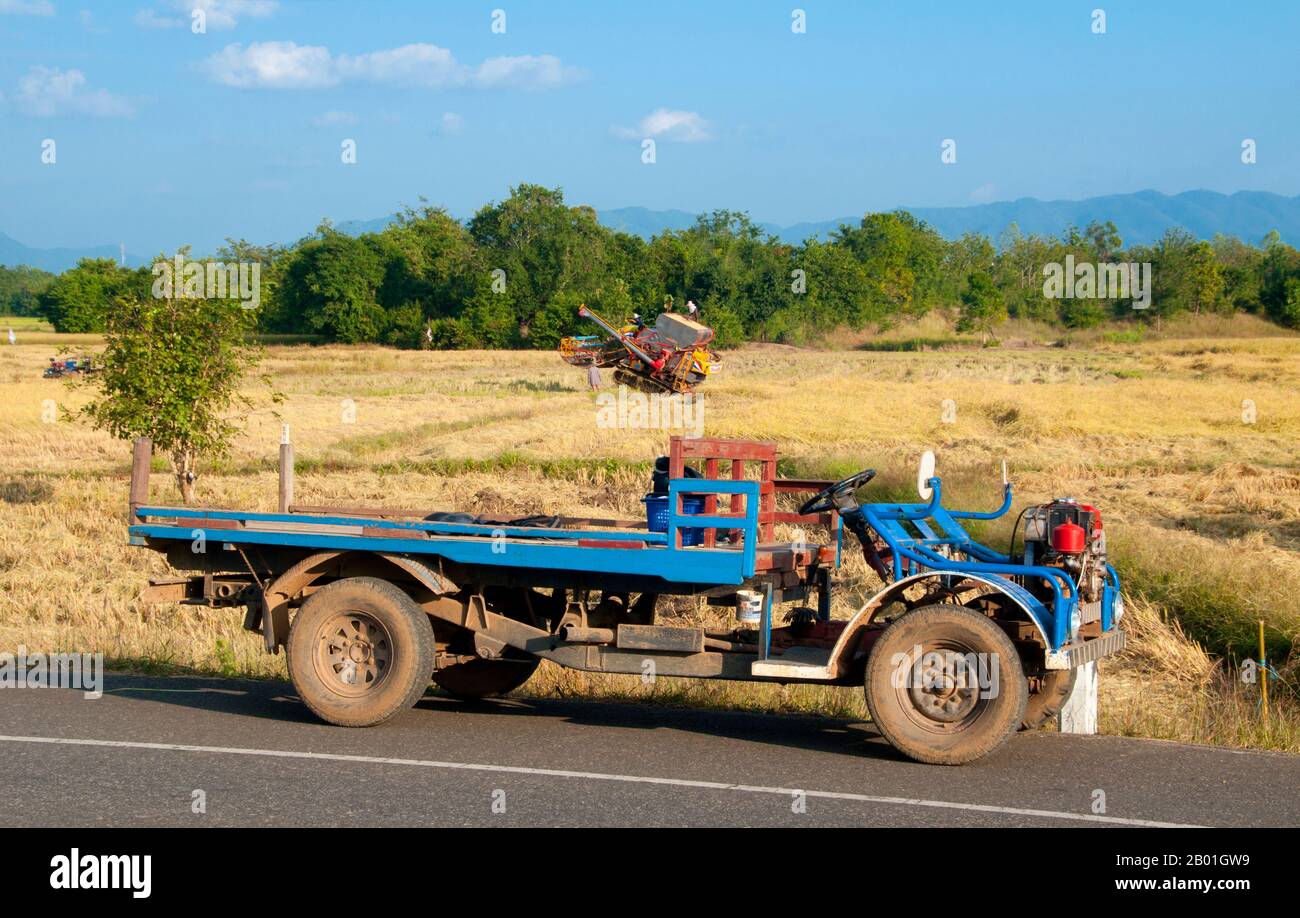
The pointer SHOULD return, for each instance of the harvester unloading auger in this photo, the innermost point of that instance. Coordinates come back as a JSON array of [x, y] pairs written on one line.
[[673, 356]]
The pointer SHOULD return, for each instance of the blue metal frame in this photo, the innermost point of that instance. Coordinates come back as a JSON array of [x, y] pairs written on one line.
[[913, 555], [652, 554]]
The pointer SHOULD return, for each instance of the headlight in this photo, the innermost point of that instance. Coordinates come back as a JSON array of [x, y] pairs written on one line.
[[1117, 609], [1076, 619]]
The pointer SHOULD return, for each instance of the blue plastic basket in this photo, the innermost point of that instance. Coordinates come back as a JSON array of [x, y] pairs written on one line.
[[656, 514]]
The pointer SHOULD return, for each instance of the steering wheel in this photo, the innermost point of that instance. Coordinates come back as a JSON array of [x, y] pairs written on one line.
[[832, 497]]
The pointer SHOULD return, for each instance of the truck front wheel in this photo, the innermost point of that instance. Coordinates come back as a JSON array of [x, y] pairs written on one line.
[[944, 685], [360, 650]]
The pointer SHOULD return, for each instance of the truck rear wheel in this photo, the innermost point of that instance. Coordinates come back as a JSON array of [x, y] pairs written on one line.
[[480, 678], [360, 650], [944, 685], [1046, 703]]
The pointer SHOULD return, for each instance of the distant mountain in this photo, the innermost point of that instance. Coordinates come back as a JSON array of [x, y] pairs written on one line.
[[641, 221], [1141, 217], [13, 253], [360, 227]]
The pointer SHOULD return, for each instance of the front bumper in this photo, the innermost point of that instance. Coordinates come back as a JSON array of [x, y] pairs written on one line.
[[1074, 655]]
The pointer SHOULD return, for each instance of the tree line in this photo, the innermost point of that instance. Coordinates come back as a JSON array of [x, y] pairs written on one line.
[[515, 273]]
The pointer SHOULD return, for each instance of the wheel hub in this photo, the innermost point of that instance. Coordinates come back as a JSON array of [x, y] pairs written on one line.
[[942, 686], [353, 653]]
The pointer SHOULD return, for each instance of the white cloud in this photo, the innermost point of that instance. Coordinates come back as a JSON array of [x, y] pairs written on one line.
[[286, 65], [667, 124], [151, 19], [333, 119], [410, 65], [451, 123], [272, 65], [525, 71], [47, 91], [984, 193], [225, 14], [219, 15], [26, 7]]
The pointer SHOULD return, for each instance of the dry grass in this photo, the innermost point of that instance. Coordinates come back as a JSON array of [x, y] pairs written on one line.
[[1166, 686], [1202, 509]]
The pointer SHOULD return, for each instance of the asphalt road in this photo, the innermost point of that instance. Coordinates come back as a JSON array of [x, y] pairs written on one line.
[[140, 755]]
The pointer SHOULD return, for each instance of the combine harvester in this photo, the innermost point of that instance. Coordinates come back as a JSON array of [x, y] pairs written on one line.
[[961, 647], [70, 366], [673, 356]]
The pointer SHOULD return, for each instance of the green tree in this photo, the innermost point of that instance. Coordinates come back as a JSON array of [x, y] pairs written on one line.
[[1019, 273], [1288, 312], [836, 288], [406, 325], [559, 317], [543, 247], [1102, 240], [331, 283], [489, 320], [429, 258], [1239, 264], [271, 314], [79, 300], [1204, 279], [19, 288], [1279, 272], [172, 369], [902, 255], [982, 306], [972, 252]]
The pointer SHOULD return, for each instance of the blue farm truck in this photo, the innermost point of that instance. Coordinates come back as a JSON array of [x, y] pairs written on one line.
[[963, 646]]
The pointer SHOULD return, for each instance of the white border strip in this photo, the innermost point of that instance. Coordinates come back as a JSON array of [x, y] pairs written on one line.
[[597, 776]]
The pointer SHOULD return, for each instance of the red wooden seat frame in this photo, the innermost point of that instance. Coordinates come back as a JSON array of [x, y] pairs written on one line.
[[710, 455]]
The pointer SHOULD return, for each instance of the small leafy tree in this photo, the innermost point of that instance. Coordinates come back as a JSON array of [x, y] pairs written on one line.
[[982, 305], [171, 372]]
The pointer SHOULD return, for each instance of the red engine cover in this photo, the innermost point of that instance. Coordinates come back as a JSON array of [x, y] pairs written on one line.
[[1069, 539]]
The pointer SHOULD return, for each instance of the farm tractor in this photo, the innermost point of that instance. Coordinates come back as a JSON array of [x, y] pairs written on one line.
[[961, 646]]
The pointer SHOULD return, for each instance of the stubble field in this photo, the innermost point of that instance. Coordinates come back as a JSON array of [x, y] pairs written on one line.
[[1188, 446]]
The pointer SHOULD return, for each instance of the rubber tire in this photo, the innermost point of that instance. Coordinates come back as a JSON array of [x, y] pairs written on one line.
[[995, 721], [479, 678], [1048, 701], [413, 651]]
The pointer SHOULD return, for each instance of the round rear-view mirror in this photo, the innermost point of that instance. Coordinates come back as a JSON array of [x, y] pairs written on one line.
[[923, 475]]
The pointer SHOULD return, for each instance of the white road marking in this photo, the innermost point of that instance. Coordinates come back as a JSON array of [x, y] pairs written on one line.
[[598, 776]]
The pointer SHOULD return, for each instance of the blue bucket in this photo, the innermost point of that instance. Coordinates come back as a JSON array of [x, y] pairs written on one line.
[[656, 514]]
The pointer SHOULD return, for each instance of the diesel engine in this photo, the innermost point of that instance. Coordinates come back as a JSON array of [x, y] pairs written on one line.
[[1067, 534]]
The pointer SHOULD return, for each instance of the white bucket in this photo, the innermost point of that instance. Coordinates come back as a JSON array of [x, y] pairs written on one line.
[[749, 606]]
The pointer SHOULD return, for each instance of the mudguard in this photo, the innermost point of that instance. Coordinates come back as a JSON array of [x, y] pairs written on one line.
[[846, 647]]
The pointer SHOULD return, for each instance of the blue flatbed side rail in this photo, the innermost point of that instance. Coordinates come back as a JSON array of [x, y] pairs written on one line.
[[653, 554]]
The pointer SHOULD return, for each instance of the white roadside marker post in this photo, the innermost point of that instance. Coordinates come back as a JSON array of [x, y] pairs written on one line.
[[1079, 713]]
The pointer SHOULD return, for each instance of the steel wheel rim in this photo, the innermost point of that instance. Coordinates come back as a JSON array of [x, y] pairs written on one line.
[[937, 695], [353, 653]]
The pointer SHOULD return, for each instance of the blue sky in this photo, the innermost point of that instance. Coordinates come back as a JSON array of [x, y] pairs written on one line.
[[166, 137]]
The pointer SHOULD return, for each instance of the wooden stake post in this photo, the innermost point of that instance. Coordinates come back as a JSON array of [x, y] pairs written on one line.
[[286, 471], [141, 459]]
